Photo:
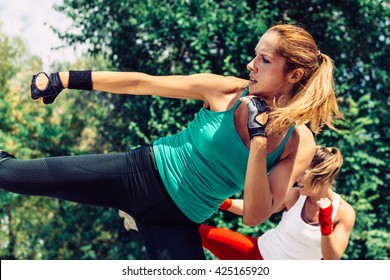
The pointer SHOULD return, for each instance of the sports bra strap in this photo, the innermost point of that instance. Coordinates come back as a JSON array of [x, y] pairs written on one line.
[[245, 92], [287, 135]]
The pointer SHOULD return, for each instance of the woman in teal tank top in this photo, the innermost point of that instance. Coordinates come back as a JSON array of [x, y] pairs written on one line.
[[179, 181]]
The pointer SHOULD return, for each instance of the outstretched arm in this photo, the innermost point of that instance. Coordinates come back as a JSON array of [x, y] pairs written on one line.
[[237, 207], [197, 86]]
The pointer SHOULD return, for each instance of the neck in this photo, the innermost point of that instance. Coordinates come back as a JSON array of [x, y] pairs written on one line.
[[281, 98]]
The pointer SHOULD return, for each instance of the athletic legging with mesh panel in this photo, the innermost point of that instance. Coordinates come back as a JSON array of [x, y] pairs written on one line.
[[127, 181]]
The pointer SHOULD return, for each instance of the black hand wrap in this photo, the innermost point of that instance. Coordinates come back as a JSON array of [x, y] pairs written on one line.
[[53, 88], [256, 106]]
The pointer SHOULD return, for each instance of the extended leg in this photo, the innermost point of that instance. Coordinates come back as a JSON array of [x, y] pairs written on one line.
[[90, 179], [229, 245]]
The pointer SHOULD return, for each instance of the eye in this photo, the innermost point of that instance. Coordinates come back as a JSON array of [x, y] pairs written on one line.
[[264, 60]]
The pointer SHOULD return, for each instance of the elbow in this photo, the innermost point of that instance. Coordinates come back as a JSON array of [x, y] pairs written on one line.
[[329, 254], [334, 258], [252, 221], [248, 222], [254, 217]]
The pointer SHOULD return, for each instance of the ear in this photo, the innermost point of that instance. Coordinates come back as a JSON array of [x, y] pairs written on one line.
[[295, 75]]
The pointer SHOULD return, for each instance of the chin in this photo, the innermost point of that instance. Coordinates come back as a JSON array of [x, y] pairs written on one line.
[[253, 91], [256, 92]]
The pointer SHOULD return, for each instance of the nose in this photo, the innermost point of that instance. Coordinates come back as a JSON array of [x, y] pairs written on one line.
[[300, 179], [251, 65]]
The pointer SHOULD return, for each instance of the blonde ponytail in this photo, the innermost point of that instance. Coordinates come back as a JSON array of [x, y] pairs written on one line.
[[314, 101]]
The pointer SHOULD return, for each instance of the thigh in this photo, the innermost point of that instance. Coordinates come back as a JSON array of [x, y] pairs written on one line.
[[90, 179], [171, 242], [85, 178], [226, 244], [166, 231], [127, 181]]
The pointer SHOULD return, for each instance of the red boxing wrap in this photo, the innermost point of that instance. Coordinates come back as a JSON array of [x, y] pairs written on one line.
[[226, 204], [325, 220]]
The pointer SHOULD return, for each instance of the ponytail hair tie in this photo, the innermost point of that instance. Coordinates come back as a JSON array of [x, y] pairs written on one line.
[[330, 149], [319, 56]]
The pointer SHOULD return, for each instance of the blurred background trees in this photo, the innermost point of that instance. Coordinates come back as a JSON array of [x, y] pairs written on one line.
[[184, 37]]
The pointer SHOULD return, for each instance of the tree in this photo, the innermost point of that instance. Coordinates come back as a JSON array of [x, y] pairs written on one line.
[[184, 37], [218, 36], [39, 227]]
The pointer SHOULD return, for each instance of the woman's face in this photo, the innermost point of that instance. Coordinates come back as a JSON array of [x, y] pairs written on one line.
[[268, 78], [302, 183]]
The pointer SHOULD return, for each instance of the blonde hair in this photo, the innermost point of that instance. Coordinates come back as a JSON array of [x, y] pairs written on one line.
[[313, 99], [325, 166]]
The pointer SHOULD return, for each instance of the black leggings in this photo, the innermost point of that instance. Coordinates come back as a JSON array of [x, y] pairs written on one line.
[[126, 181]]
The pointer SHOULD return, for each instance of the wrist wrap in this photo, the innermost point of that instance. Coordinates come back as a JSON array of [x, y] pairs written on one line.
[[325, 220], [226, 204], [80, 80]]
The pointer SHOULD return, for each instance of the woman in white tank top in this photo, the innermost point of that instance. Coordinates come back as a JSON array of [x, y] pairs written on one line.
[[316, 222]]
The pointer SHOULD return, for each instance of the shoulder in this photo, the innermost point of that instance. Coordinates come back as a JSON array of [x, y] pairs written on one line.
[[301, 144], [304, 135], [305, 141], [297, 153], [345, 214], [221, 91], [346, 210]]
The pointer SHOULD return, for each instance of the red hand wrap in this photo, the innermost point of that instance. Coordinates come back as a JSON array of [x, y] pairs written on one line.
[[226, 204], [325, 220]]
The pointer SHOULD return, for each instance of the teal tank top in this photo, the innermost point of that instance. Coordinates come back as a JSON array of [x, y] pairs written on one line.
[[206, 162]]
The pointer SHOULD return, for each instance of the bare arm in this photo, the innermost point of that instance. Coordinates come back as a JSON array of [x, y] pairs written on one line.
[[263, 195], [237, 207], [333, 245], [197, 86]]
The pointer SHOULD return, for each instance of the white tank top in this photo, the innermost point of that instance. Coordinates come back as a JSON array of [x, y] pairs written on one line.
[[293, 238]]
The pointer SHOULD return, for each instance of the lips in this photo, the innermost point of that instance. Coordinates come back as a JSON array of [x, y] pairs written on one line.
[[251, 80]]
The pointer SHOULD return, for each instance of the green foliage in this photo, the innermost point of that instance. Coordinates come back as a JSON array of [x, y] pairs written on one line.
[[171, 37], [43, 228], [184, 37]]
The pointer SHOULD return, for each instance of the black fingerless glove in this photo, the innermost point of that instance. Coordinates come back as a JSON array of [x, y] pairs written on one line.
[[256, 106], [52, 90]]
